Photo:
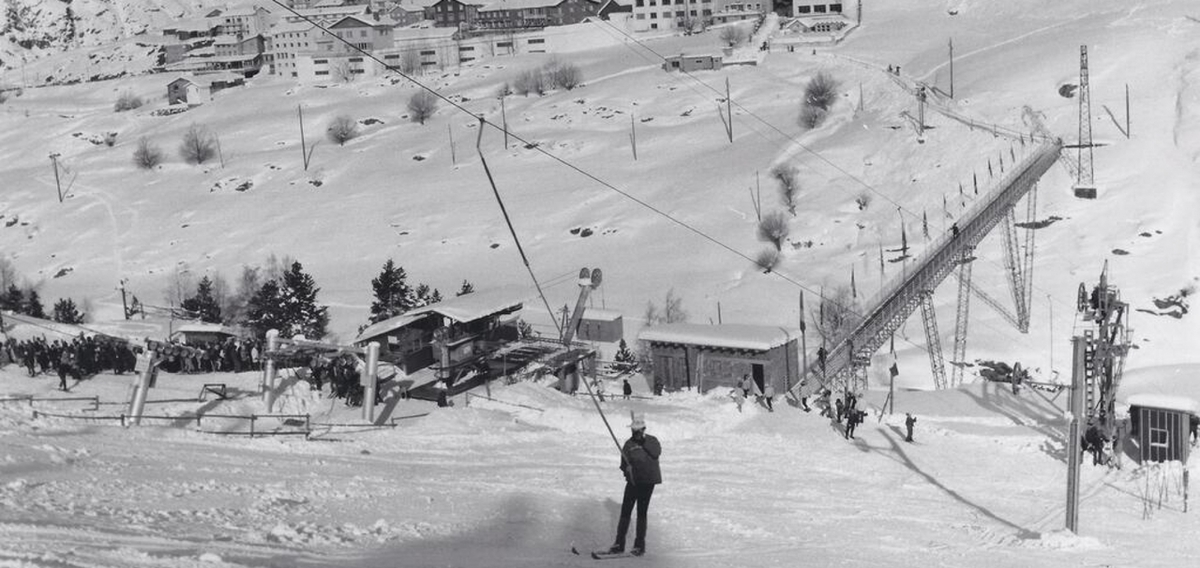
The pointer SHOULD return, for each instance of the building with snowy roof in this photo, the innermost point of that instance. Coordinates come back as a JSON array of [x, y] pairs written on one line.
[[704, 357], [601, 325], [204, 333], [196, 89], [1160, 426]]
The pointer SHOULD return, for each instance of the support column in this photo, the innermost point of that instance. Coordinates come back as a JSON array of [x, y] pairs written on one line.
[[368, 381], [962, 319], [1073, 451], [269, 369], [932, 342], [138, 404]]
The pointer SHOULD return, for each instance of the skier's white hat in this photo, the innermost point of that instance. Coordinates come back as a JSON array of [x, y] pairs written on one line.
[[637, 421]]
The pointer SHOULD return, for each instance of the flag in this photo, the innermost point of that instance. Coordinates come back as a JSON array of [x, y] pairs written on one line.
[[894, 370], [802, 318]]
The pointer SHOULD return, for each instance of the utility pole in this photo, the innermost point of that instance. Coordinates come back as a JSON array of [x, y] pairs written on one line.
[[303, 142], [453, 154], [504, 119], [952, 68], [57, 183], [1074, 458], [729, 110], [1127, 133], [1085, 185], [633, 134], [124, 305]]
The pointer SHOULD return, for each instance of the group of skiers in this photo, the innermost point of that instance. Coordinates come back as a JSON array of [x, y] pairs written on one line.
[[746, 386], [843, 411], [343, 375], [78, 358], [230, 356]]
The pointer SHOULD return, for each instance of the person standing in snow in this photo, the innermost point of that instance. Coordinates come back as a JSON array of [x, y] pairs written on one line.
[[841, 408], [909, 420], [639, 463], [626, 389], [744, 384], [737, 398], [769, 395]]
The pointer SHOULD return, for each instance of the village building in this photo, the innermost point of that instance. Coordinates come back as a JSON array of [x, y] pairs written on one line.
[[197, 89], [611, 7], [454, 13], [605, 326], [656, 15], [1159, 427], [704, 357], [328, 14], [409, 12], [245, 22], [690, 63], [740, 10], [284, 43], [517, 14], [801, 8]]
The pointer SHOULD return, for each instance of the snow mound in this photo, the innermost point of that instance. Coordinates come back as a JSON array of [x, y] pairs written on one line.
[[1066, 540]]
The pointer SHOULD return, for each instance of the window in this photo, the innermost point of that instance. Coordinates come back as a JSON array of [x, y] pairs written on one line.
[[429, 52], [819, 8], [465, 59], [1159, 438], [536, 41], [654, 16], [835, 8], [641, 16], [654, 26], [641, 3], [320, 61], [504, 44], [693, 13], [357, 71], [803, 9], [679, 14], [356, 60], [707, 12], [467, 48], [322, 72]]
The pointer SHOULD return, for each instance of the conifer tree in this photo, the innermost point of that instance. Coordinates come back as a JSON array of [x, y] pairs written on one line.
[[33, 305], [298, 297], [204, 303], [13, 299], [625, 359], [466, 288], [423, 296], [263, 311], [393, 296], [66, 312]]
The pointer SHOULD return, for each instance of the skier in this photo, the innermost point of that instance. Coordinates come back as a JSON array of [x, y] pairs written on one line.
[[769, 395], [909, 420], [744, 384], [841, 408], [639, 463], [64, 368], [853, 419], [738, 399], [626, 389]]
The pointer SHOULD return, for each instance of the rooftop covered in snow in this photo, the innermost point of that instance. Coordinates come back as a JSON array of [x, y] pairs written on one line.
[[729, 336], [465, 308], [1165, 401]]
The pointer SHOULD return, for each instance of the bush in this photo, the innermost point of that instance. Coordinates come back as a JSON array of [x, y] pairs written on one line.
[[110, 139], [342, 128], [863, 201], [773, 228], [410, 61], [563, 75], [147, 156], [198, 146], [127, 101], [733, 35], [767, 259], [504, 90], [819, 96], [422, 105], [789, 186], [530, 81]]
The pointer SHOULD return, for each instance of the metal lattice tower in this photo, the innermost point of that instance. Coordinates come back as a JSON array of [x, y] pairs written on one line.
[[961, 319], [1085, 177], [932, 342]]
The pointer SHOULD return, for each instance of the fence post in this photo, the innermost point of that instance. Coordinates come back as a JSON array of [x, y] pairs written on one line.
[[252, 419]]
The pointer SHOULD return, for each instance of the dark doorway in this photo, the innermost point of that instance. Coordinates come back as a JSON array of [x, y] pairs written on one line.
[[756, 370]]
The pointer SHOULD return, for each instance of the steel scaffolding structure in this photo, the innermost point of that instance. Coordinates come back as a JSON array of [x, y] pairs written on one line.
[[895, 304]]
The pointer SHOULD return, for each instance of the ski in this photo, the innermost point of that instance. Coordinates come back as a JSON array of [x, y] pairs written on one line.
[[605, 555]]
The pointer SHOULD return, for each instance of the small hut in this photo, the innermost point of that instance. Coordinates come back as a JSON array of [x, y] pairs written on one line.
[[601, 325], [709, 356], [203, 333], [1159, 426]]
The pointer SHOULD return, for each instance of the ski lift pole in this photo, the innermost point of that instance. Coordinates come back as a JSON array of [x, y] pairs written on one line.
[[604, 418]]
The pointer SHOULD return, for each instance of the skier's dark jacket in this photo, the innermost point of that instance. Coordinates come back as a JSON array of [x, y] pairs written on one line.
[[643, 456]]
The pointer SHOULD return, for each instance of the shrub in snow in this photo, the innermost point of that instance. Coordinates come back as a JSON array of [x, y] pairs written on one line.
[[503, 91], [733, 35], [127, 101], [561, 75], [789, 186], [773, 228], [767, 259], [530, 81], [863, 201], [147, 156], [819, 96], [198, 145], [422, 105], [342, 128]]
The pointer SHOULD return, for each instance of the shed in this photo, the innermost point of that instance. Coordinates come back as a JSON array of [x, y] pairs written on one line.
[[199, 88], [472, 322], [601, 325], [687, 355], [1159, 425], [203, 333], [689, 63]]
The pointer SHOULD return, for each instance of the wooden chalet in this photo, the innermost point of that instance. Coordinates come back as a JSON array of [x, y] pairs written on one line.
[[686, 356], [455, 333]]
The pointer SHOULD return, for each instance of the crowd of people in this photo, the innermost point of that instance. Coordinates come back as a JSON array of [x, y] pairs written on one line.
[[78, 358], [343, 374], [844, 411], [230, 356]]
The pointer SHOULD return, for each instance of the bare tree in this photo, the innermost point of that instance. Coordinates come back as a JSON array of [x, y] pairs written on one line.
[[733, 35], [180, 285], [789, 186], [836, 315], [673, 311], [530, 81], [341, 71], [767, 259], [773, 228], [127, 101], [819, 96], [8, 274], [422, 105], [560, 75], [198, 145], [342, 128], [147, 156]]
